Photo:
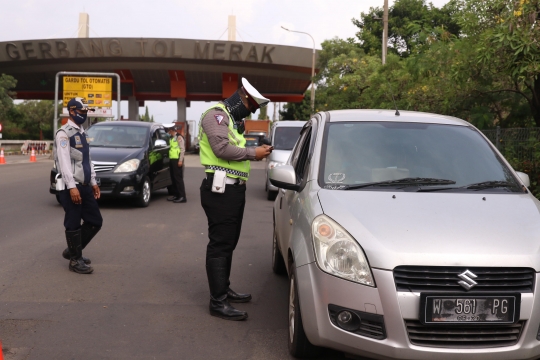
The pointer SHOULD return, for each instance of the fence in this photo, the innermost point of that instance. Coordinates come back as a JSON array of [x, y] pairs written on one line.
[[521, 147]]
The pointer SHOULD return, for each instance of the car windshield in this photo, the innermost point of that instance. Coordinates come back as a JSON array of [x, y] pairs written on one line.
[[117, 136], [285, 137], [368, 155]]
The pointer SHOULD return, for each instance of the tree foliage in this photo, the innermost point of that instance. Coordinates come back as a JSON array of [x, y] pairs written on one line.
[[478, 60]]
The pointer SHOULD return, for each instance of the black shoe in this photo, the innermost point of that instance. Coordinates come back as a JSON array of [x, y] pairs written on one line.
[[222, 309], [78, 266], [216, 270], [179, 200], [234, 297], [67, 255], [172, 198]]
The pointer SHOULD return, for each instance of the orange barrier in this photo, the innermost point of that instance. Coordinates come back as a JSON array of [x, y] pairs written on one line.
[[32, 159], [1, 352], [2, 161]]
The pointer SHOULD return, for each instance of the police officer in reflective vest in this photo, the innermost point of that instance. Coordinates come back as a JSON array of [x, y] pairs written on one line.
[[78, 197], [176, 164], [226, 161]]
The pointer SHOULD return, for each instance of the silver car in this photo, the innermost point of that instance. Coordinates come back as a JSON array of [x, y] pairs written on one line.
[[406, 237], [284, 135]]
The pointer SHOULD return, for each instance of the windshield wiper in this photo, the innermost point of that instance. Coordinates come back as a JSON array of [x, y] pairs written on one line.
[[404, 182], [476, 186], [488, 184]]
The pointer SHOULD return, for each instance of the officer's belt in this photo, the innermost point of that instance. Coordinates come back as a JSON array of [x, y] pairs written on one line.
[[228, 171]]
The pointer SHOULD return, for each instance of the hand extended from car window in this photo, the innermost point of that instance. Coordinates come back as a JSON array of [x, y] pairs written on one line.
[[262, 151], [75, 196], [96, 191]]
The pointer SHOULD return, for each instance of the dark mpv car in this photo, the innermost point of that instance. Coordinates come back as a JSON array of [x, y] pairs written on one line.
[[131, 159]]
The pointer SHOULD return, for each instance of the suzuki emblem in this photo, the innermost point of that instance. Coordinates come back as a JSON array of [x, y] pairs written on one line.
[[467, 280]]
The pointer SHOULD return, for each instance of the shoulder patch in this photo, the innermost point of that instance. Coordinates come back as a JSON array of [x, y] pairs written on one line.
[[219, 118], [64, 142]]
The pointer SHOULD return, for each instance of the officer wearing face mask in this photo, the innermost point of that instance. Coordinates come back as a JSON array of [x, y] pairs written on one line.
[[72, 157], [223, 191]]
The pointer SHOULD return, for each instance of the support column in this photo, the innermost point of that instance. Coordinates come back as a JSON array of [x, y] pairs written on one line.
[[181, 109], [133, 108]]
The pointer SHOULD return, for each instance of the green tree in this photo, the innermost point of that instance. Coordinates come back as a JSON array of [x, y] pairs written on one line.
[[505, 36], [146, 116], [410, 22], [263, 113], [6, 103]]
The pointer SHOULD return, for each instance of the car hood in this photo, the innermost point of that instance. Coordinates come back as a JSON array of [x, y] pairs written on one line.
[[280, 155], [439, 229], [111, 154]]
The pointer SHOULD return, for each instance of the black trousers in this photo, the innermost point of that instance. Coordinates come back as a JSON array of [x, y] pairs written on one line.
[[224, 212], [88, 211], [177, 177]]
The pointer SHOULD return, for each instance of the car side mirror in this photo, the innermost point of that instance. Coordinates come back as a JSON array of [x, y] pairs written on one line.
[[160, 143], [524, 178], [265, 141], [284, 177]]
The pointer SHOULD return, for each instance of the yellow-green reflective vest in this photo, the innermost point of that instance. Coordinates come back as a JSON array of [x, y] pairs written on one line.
[[234, 169], [174, 150]]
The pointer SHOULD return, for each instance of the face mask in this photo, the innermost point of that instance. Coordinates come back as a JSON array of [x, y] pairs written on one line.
[[79, 118]]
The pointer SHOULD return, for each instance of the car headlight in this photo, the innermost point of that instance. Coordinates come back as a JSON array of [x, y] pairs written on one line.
[[128, 166], [338, 253], [273, 164]]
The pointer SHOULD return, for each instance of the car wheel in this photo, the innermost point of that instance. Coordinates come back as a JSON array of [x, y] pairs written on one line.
[[146, 193], [299, 345], [271, 195], [278, 264]]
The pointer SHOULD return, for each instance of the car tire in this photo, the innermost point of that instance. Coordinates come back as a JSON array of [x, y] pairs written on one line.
[[278, 263], [299, 345], [271, 195], [146, 193]]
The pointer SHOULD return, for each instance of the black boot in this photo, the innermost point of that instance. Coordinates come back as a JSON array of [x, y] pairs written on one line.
[[217, 272], [76, 262], [87, 234], [232, 295]]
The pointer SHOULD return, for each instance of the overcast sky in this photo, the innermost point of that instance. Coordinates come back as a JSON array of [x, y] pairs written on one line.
[[256, 21]]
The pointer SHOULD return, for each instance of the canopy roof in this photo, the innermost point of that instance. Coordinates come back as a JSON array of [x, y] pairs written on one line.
[[160, 69]]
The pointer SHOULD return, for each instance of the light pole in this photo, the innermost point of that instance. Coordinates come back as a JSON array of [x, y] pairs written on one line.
[[385, 31], [312, 69]]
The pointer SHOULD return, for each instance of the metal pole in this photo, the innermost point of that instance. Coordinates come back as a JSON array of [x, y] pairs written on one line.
[[312, 68], [385, 32], [56, 86]]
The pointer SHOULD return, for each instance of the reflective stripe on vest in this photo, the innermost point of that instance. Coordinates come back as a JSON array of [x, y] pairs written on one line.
[[234, 169], [174, 150]]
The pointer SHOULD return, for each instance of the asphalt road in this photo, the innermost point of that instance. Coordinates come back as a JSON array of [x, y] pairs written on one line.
[[148, 295]]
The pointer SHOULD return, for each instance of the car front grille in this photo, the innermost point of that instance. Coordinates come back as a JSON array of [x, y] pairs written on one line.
[[100, 166], [436, 278], [463, 336]]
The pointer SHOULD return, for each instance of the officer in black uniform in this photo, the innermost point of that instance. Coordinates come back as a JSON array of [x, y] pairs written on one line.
[[80, 190]]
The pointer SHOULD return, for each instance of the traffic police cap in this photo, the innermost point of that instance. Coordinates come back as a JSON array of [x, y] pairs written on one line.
[[78, 103], [169, 126], [254, 96]]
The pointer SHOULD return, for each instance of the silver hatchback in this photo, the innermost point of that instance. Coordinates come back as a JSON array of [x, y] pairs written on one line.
[[406, 237]]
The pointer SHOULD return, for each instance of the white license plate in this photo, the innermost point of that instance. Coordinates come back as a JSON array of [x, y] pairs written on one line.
[[474, 309]]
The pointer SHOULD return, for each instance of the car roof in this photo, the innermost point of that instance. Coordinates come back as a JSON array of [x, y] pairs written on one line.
[[390, 115], [127, 122], [290, 123]]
